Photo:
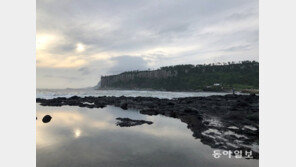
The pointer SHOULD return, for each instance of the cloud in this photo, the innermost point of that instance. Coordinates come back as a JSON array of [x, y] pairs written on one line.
[[127, 63], [104, 37], [84, 70]]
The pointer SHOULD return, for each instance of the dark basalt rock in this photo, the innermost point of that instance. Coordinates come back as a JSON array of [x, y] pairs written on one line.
[[231, 111], [123, 106], [127, 122], [46, 119], [149, 112], [100, 104]]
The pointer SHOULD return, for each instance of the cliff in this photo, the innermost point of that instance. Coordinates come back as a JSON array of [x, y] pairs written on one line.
[[215, 77], [127, 77]]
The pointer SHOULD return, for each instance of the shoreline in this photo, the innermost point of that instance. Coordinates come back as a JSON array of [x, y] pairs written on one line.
[[256, 91], [229, 122]]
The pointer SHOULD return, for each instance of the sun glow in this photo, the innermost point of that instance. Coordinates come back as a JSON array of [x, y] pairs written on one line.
[[77, 133], [42, 41], [80, 47]]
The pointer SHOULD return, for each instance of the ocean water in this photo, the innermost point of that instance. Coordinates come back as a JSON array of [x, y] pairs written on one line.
[[86, 137], [52, 93]]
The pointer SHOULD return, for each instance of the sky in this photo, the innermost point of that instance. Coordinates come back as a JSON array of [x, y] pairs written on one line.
[[78, 41]]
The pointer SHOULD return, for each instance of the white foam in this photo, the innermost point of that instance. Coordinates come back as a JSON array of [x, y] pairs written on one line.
[[212, 131], [53, 93], [232, 145], [235, 134], [88, 103], [233, 127], [250, 127], [214, 122]]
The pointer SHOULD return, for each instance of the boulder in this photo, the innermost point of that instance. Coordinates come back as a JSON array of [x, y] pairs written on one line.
[[46, 119]]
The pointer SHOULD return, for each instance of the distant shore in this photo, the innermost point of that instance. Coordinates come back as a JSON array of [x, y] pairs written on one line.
[[244, 91]]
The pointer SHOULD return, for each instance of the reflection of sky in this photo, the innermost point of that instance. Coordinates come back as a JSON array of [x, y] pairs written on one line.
[[89, 137]]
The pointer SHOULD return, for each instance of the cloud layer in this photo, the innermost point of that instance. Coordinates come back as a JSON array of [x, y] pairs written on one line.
[[78, 41]]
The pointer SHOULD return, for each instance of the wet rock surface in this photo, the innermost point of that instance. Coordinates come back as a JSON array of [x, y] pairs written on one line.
[[127, 122], [229, 122]]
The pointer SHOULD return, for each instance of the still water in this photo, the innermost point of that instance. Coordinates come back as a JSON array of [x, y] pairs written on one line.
[[78, 137]]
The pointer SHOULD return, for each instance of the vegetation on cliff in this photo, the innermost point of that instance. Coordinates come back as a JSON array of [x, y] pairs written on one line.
[[209, 77]]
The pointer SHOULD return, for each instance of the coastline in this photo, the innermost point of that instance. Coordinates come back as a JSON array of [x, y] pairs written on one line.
[[224, 122], [240, 91]]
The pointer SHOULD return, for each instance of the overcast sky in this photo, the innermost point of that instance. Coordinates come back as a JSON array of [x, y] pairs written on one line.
[[77, 41]]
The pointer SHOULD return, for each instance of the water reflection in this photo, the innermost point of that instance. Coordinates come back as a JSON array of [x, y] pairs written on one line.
[[89, 137], [77, 133]]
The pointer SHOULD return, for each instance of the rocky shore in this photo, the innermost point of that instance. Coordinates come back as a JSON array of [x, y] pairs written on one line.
[[229, 122]]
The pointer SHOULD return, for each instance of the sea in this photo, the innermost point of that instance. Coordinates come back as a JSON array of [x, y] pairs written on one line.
[[84, 137]]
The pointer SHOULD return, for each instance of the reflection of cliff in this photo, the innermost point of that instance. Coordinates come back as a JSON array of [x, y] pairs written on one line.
[[188, 77]]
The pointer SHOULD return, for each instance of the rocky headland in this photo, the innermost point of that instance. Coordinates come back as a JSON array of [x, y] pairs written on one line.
[[212, 77]]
